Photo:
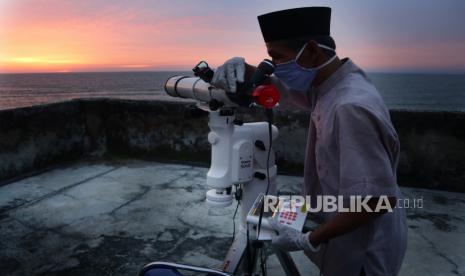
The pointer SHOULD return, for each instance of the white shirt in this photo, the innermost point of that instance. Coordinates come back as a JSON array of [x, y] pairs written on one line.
[[352, 149]]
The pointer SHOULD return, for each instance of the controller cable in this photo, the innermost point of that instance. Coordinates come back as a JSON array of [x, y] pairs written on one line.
[[238, 196], [269, 116]]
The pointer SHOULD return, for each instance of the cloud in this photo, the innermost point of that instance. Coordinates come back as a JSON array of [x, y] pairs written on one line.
[[176, 34]]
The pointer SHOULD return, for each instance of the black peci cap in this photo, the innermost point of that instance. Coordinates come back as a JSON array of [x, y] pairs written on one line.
[[293, 23]]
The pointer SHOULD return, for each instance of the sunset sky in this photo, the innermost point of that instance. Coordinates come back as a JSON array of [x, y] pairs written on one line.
[[116, 35]]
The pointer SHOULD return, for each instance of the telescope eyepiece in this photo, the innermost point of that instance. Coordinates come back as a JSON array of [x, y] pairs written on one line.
[[263, 71], [267, 66]]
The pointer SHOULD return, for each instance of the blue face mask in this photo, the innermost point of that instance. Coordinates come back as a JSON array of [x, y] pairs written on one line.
[[297, 77]]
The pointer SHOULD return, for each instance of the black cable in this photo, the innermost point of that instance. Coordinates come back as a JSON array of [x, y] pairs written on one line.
[[266, 267], [263, 261], [234, 222], [248, 254], [269, 116]]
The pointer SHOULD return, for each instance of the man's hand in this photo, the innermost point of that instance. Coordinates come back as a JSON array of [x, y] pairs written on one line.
[[289, 239], [232, 71], [344, 223]]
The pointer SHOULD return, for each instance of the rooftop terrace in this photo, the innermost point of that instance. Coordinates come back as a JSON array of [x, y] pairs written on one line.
[[112, 217]]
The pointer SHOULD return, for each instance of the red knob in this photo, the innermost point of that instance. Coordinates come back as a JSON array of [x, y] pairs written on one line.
[[266, 95]]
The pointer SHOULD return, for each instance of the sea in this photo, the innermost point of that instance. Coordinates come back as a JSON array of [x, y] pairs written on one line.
[[432, 92]]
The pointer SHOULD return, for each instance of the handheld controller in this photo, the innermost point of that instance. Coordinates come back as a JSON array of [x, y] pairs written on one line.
[[282, 211]]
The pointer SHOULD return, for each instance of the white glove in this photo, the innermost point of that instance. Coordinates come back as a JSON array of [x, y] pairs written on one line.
[[289, 239], [229, 73]]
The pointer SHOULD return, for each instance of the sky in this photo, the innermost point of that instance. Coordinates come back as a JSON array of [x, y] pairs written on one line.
[[133, 35]]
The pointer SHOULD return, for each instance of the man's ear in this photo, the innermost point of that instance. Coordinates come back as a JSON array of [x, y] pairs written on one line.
[[312, 50]]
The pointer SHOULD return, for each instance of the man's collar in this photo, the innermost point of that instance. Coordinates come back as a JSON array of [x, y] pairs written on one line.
[[346, 68]]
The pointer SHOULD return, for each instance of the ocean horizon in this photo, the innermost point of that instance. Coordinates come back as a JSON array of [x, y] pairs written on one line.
[[408, 90]]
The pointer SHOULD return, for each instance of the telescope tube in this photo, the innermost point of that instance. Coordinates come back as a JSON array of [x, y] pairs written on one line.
[[197, 89]]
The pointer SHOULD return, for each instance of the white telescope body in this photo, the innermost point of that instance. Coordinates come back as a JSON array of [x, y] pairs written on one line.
[[235, 156], [239, 156], [236, 159], [197, 89]]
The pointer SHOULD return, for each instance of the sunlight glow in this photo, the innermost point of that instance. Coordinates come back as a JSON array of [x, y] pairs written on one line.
[[43, 60], [105, 35]]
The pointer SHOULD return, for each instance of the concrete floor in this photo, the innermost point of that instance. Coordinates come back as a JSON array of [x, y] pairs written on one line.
[[111, 218]]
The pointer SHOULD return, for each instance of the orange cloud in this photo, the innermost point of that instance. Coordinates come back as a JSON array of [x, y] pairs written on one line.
[[55, 35], [116, 40]]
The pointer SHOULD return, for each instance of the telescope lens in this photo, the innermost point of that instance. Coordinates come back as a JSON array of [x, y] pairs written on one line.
[[202, 71]]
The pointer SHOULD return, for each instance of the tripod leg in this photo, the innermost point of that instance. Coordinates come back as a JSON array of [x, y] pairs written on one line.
[[287, 263], [239, 255], [249, 262], [235, 253]]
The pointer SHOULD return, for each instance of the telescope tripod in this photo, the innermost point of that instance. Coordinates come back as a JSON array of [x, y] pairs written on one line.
[[247, 251]]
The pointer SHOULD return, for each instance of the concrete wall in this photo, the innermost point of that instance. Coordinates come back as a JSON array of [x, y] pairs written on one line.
[[35, 138]]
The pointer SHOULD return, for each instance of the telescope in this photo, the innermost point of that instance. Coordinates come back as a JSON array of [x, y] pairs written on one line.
[[242, 155], [239, 151]]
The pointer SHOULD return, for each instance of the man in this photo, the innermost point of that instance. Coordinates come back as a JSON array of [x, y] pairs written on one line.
[[352, 147]]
